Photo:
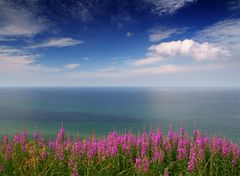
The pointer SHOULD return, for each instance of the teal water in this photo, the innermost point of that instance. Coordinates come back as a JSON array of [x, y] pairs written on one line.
[[83, 111]]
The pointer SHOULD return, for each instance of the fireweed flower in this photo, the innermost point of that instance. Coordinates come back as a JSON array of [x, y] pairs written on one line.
[[236, 154], [151, 148], [170, 134], [225, 148], [200, 146], [1, 168], [8, 151], [5, 139], [182, 149], [196, 134], [157, 155], [35, 136], [16, 138], [167, 145], [216, 144], [23, 137], [138, 163], [175, 138], [75, 174], [181, 132], [145, 163], [60, 135], [44, 155], [166, 172], [156, 138], [192, 159]]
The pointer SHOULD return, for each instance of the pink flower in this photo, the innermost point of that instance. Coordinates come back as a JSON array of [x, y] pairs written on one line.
[[35, 136], [1, 168], [225, 149], [182, 131], [170, 134], [8, 151], [61, 135], [5, 139], [166, 172], [138, 163], [145, 164], [16, 138], [196, 134], [157, 155], [192, 159], [182, 149], [74, 174], [44, 155]]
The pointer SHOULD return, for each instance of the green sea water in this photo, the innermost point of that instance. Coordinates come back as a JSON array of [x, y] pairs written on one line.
[[83, 111]]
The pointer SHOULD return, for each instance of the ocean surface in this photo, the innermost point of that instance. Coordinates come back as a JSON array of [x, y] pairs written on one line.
[[83, 111]]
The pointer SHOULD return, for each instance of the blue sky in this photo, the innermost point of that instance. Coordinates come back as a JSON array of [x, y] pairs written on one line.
[[120, 43]]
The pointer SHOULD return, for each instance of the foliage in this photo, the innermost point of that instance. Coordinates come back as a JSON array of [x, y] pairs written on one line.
[[120, 154]]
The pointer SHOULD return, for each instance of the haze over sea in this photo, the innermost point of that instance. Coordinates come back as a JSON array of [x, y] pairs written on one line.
[[100, 110]]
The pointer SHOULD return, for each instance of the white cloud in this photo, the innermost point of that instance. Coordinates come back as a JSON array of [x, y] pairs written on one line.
[[86, 58], [10, 50], [148, 60], [17, 21], [234, 5], [72, 66], [79, 10], [158, 34], [107, 69], [171, 69], [135, 72], [189, 48], [163, 7], [186, 48], [224, 33], [19, 64], [58, 42], [129, 34]]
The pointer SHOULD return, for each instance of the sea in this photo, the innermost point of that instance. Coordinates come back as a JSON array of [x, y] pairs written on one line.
[[97, 111]]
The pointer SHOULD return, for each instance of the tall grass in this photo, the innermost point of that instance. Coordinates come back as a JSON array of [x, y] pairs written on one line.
[[116, 154]]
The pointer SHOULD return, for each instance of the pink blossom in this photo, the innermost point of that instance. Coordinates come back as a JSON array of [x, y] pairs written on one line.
[[35, 136], [138, 163], [145, 163], [192, 159]]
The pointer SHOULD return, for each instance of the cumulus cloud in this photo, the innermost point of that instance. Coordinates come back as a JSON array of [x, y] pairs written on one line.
[[186, 48], [18, 21], [163, 7], [72, 66], [189, 48], [58, 42]]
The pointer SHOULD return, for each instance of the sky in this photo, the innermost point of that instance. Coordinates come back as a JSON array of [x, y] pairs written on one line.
[[74, 43]]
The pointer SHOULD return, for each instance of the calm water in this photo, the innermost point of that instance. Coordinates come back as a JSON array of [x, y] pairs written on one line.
[[86, 110]]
